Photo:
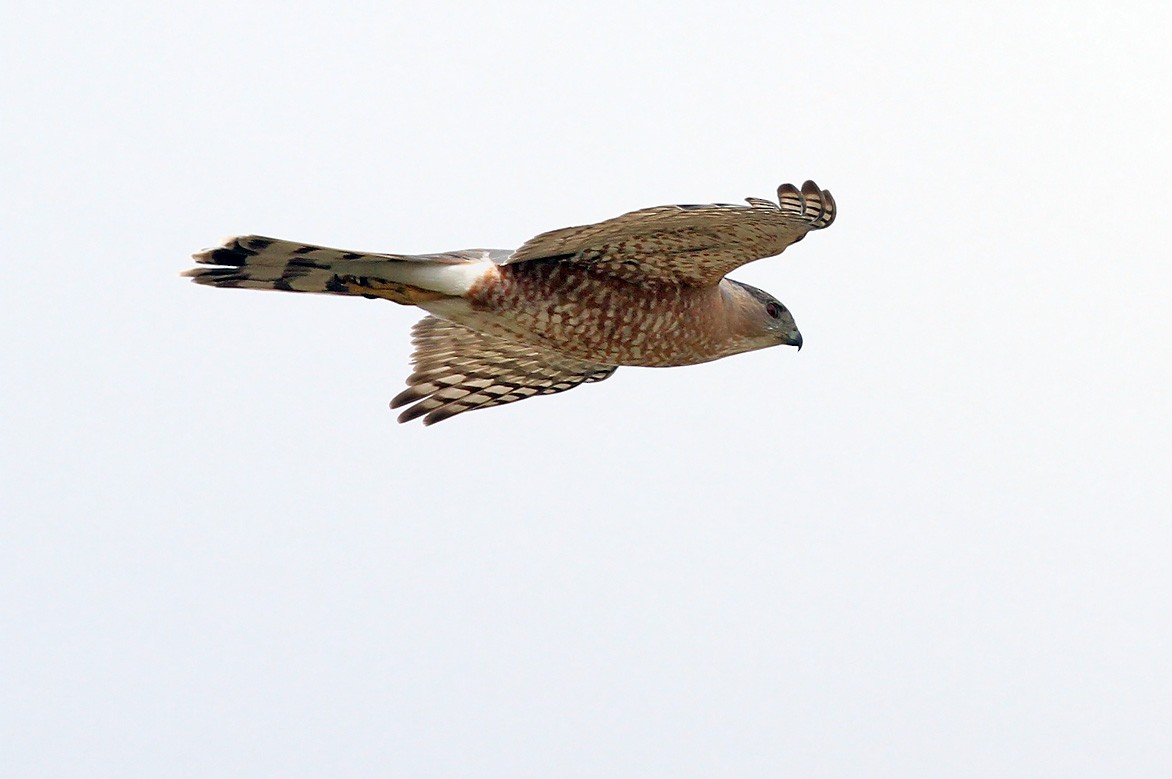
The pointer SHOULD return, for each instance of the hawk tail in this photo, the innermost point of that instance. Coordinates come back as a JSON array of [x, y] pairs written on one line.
[[256, 262]]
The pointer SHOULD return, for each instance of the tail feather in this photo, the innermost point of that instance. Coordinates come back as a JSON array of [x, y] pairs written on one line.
[[256, 262]]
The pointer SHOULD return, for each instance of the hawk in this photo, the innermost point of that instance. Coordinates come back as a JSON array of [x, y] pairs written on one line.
[[568, 307]]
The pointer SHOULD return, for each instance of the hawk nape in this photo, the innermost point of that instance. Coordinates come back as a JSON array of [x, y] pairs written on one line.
[[568, 307]]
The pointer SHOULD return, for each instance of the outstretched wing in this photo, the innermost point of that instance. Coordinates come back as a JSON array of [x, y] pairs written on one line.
[[458, 370], [695, 245]]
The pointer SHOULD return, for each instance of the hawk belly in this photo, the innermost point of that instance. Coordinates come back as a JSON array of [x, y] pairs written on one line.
[[597, 317]]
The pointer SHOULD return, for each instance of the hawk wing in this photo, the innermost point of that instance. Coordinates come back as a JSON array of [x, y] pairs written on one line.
[[458, 369], [694, 245]]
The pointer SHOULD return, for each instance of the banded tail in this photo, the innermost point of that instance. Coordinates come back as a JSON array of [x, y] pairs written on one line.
[[256, 262]]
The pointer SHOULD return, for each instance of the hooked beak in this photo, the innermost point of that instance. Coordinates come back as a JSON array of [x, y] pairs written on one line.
[[795, 339]]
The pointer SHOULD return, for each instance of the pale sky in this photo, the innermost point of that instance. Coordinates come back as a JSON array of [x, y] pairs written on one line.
[[938, 542]]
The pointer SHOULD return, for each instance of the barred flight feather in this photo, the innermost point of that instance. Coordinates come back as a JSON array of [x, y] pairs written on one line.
[[458, 369]]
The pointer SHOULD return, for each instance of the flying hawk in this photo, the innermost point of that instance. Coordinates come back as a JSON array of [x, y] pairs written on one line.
[[568, 307]]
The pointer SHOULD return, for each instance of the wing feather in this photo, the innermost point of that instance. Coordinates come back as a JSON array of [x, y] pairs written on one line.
[[695, 245], [458, 369]]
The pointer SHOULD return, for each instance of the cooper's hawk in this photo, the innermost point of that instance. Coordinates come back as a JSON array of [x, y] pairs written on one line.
[[568, 307]]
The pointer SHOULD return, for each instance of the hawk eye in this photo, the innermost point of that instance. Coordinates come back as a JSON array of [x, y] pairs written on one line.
[[773, 310]]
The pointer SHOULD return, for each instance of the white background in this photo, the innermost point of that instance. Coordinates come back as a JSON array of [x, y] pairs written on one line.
[[935, 543]]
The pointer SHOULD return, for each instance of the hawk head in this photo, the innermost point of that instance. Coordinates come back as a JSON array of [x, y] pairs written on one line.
[[761, 319]]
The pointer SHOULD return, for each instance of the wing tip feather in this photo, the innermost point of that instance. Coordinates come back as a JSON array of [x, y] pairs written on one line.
[[812, 204]]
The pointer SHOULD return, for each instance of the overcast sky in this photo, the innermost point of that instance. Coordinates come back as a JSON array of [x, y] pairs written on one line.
[[935, 543]]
